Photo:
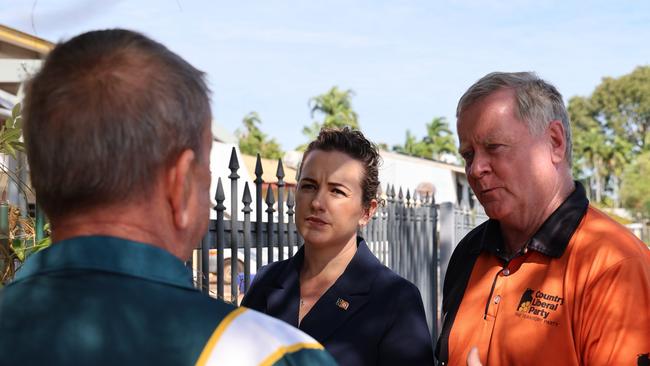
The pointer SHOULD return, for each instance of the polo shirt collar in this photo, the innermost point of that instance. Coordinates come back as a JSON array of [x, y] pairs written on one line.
[[111, 255], [555, 233]]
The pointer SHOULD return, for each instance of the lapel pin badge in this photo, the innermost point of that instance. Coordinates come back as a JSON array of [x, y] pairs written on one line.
[[342, 304]]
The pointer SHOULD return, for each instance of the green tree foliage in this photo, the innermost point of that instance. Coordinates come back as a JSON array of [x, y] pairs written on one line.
[[412, 147], [600, 154], [252, 140], [438, 141], [19, 241], [610, 129], [439, 138], [10, 133], [336, 108], [635, 188], [624, 103], [10, 144]]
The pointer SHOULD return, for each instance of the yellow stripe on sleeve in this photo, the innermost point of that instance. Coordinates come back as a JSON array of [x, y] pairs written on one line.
[[275, 356], [214, 338]]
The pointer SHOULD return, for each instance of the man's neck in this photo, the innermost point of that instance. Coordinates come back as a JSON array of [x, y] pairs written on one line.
[[123, 222], [516, 237]]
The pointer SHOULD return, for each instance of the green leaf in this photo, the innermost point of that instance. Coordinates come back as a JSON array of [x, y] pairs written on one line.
[[15, 111], [44, 243], [8, 149], [19, 145], [13, 134], [19, 249]]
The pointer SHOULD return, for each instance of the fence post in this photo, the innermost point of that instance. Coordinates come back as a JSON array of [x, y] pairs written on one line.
[[447, 235], [374, 230], [384, 228], [290, 204], [258, 210], [220, 208], [436, 265], [246, 200], [280, 175], [426, 262], [400, 241], [234, 226], [390, 194], [270, 200], [408, 244], [417, 238]]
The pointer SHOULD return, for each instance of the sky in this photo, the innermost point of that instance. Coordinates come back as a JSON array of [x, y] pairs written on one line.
[[406, 61]]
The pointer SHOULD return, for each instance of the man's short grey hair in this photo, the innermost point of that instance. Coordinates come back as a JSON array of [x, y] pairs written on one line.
[[108, 111], [538, 102]]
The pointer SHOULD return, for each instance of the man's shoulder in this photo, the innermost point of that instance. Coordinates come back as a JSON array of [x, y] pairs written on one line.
[[247, 337], [600, 236]]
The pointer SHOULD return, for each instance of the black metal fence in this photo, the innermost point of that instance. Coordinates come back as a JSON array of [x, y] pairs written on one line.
[[403, 234]]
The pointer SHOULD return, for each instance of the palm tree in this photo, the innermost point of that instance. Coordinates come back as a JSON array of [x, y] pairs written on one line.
[[438, 141], [336, 108], [253, 140], [439, 138]]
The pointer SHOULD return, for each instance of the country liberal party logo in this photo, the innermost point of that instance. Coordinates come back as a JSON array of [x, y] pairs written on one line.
[[538, 305]]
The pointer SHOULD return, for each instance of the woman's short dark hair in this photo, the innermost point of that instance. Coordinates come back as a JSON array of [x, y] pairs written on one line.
[[354, 144]]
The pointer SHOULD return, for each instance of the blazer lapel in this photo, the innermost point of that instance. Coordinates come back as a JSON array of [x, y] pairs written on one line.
[[283, 294], [346, 297]]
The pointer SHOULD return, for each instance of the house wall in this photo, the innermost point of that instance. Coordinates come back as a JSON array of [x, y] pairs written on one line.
[[407, 172]]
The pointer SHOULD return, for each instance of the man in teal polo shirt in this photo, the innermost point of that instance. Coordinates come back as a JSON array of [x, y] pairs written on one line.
[[117, 129]]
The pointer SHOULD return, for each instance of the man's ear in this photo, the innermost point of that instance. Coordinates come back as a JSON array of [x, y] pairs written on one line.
[[558, 141], [368, 212], [179, 177]]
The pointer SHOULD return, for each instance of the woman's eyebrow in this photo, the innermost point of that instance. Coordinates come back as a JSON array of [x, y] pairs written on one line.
[[337, 184]]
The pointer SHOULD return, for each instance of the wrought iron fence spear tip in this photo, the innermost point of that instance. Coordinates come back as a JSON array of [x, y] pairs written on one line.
[[234, 163], [270, 199], [258, 166], [280, 172], [219, 196], [247, 199]]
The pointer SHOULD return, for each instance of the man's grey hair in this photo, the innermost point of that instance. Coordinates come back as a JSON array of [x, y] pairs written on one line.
[[538, 102], [108, 111]]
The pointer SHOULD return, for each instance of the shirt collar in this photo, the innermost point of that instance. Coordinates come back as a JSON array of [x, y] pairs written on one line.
[[109, 254], [553, 236]]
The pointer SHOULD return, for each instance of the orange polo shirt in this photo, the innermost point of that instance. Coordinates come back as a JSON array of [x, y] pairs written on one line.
[[579, 295]]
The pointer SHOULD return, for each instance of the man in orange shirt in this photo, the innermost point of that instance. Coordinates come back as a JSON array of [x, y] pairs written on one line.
[[548, 279]]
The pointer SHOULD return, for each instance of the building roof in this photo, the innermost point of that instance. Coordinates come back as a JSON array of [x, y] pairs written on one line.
[[24, 40], [269, 168]]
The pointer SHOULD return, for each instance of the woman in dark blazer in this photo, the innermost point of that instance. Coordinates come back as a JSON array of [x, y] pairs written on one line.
[[334, 288]]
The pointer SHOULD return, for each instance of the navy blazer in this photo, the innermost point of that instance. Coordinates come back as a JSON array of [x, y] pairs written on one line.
[[384, 323]]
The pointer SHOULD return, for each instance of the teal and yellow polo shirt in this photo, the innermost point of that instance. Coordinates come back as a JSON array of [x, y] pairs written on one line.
[[107, 301]]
